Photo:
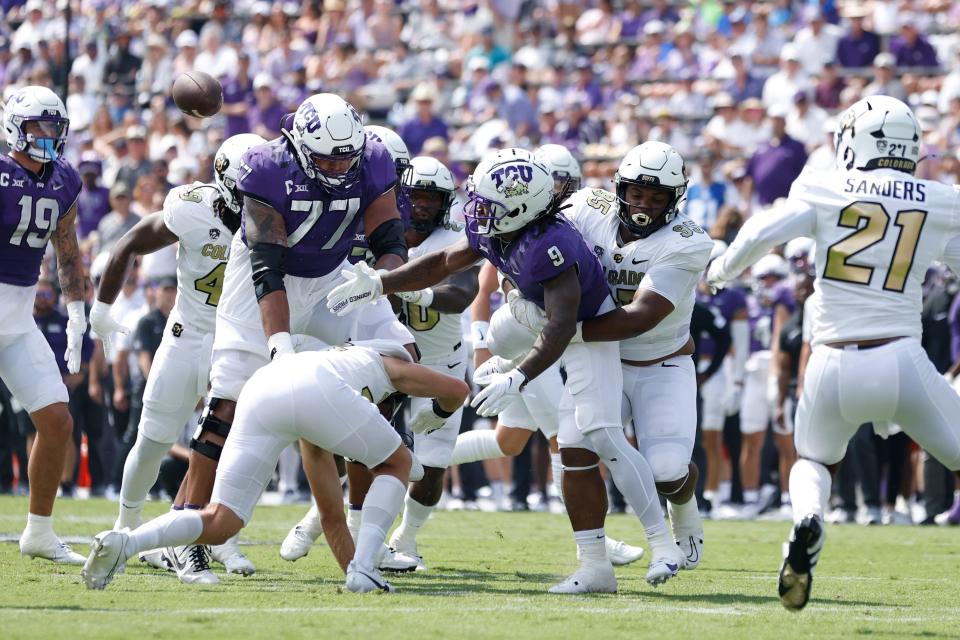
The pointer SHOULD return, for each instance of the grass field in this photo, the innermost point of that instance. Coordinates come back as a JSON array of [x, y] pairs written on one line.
[[488, 579]]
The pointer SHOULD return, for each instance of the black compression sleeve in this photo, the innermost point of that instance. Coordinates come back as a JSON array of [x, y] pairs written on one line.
[[388, 238], [268, 262]]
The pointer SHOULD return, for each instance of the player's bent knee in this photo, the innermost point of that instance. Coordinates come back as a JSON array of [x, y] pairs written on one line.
[[211, 425], [668, 471], [575, 459], [53, 421], [397, 464], [220, 524]]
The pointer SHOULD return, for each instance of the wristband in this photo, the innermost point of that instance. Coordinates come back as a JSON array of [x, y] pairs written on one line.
[[478, 333], [76, 310], [437, 409]]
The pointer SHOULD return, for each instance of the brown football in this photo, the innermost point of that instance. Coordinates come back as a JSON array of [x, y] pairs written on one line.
[[197, 94]]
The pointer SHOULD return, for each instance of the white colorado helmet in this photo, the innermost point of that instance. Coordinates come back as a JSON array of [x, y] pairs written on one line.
[[327, 128], [507, 192], [226, 167], [770, 265], [878, 132], [429, 174], [564, 168], [651, 164], [395, 145], [42, 106]]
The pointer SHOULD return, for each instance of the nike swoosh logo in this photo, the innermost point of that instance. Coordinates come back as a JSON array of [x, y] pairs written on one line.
[[673, 567], [694, 552], [176, 560], [58, 187], [639, 261], [452, 366], [669, 366]]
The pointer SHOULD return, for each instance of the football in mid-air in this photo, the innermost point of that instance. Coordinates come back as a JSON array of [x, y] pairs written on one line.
[[197, 94]]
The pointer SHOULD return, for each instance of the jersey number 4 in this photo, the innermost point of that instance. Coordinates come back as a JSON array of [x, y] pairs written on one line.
[[839, 255], [212, 284], [45, 214]]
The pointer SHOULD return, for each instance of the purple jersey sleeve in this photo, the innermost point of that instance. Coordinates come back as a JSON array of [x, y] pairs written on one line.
[[30, 210]]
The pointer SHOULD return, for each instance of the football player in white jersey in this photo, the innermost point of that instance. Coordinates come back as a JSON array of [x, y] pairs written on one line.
[[38, 205], [877, 229], [327, 398], [653, 256], [202, 218], [433, 316]]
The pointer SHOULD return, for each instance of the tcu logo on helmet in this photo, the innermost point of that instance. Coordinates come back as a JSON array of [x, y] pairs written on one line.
[[505, 177], [311, 117]]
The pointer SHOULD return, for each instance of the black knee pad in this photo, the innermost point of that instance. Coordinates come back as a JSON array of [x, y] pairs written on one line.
[[210, 423]]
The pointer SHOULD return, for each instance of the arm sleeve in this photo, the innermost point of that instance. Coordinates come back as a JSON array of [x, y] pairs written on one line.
[[720, 332], [789, 220], [740, 332], [671, 282]]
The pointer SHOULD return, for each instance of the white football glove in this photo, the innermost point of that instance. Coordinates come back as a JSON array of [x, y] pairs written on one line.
[[714, 281], [421, 297], [495, 365], [526, 312], [731, 400], [503, 389], [76, 326], [362, 287], [280, 345], [102, 324], [426, 421]]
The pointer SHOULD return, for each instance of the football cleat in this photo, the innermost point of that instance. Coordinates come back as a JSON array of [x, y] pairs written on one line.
[[365, 579], [229, 555], [107, 556], [801, 553], [620, 553], [49, 547], [192, 564], [297, 543], [666, 563], [595, 578], [158, 559], [401, 562], [691, 547]]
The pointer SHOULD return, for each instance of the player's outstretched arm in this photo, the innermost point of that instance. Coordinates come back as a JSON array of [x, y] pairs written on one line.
[[764, 231], [421, 382], [480, 313], [147, 236], [266, 236]]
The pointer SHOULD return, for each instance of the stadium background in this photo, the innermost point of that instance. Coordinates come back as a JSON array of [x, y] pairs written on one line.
[[746, 91]]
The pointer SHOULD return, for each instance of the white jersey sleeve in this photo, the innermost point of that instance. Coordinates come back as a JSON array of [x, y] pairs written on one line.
[[201, 256], [438, 335], [876, 234]]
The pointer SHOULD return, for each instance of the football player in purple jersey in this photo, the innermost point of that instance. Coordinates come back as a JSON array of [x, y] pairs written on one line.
[[38, 203], [512, 221]]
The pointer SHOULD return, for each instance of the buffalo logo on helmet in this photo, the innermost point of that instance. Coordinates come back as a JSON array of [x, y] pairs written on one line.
[[221, 163], [882, 145], [214, 234]]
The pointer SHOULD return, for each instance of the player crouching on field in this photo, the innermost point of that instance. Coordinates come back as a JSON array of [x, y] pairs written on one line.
[[327, 398]]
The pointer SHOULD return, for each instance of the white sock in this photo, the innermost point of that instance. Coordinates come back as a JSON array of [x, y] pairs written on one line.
[[591, 544], [289, 465], [632, 475], [557, 468], [39, 525], [496, 490], [784, 497], [380, 509], [809, 489], [310, 522], [723, 491], [659, 538], [414, 516], [750, 496], [172, 529], [354, 518], [685, 517], [140, 472], [480, 444]]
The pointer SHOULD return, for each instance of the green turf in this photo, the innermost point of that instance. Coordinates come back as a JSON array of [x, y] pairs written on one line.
[[488, 579]]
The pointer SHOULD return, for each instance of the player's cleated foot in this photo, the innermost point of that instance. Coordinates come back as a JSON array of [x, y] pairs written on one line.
[[801, 553], [666, 564], [192, 564], [589, 579], [108, 554], [49, 547], [620, 554], [158, 559], [365, 579], [400, 562], [297, 543], [229, 555], [691, 547]]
